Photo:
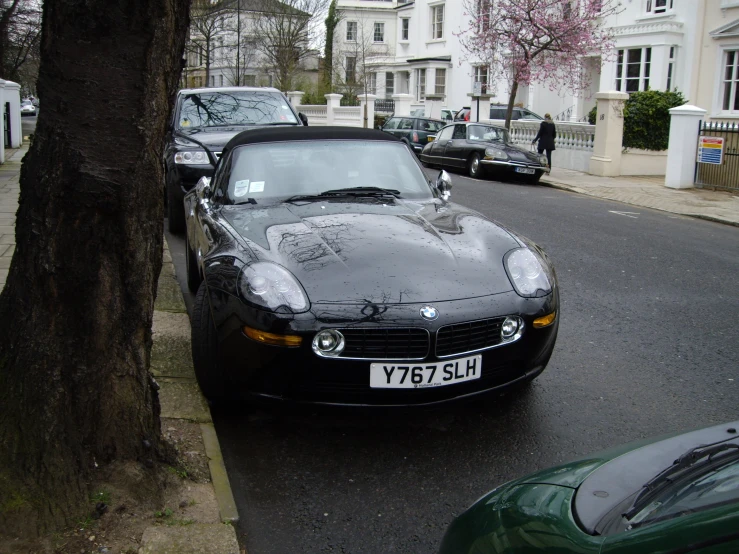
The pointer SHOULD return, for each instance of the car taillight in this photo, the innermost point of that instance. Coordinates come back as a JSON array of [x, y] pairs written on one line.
[[415, 136], [467, 116]]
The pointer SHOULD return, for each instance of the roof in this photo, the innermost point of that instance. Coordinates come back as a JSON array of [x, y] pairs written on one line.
[[226, 89], [283, 134]]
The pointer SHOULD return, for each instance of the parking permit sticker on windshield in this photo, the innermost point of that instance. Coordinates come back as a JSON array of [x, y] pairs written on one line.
[[257, 186], [241, 188]]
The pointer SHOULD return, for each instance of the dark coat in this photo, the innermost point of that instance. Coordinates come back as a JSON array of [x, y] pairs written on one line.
[[546, 135]]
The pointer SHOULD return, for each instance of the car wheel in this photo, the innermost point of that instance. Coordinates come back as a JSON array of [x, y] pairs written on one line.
[[175, 210], [473, 166], [205, 360], [193, 273]]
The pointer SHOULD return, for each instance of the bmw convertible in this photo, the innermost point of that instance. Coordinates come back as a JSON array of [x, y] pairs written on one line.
[[329, 269]]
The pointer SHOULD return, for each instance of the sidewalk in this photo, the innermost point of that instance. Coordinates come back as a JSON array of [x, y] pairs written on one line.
[[650, 192], [9, 189]]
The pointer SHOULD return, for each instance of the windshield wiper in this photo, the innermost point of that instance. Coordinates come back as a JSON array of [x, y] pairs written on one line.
[[279, 123], [355, 191], [686, 463]]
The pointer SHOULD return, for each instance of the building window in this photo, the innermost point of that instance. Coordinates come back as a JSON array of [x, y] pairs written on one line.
[[351, 69], [483, 15], [481, 76], [567, 11], [250, 80], [420, 84], [632, 69], [731, 82], [372, 83], [389, 84], [405, 25], [658, 6], [351, 31], [440, 82], [212, 80], [671, 68], [221, 78], [379, 32], [437, 22]]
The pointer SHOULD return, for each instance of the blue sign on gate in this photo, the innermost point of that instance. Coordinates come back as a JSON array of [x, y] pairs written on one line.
[[710, 150]]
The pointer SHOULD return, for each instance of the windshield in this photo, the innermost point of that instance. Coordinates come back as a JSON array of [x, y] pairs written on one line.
[[487, 133], [716, 487], [218, 109], [269, 172]]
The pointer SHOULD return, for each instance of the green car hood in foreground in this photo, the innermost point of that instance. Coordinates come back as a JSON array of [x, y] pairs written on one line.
[[560, 509]]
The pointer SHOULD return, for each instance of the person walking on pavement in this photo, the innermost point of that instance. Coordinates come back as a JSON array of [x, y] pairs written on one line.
[[546, 135]]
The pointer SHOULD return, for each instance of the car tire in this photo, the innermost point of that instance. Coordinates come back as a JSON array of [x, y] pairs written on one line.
[[193, 273], [474, 169], [175, 210], [206, 363]]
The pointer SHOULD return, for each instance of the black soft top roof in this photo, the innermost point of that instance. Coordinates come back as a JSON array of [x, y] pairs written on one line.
[[282, 134]]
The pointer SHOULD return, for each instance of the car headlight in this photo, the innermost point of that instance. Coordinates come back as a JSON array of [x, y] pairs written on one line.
[[192, 157], [495, 154], [543, 159], [527, 272], [272, 287]]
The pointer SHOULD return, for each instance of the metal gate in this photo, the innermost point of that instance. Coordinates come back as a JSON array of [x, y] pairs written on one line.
[[726, 174]]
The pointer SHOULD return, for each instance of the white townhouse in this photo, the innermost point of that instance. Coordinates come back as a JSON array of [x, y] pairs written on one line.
[[423, 57], [688, 45]]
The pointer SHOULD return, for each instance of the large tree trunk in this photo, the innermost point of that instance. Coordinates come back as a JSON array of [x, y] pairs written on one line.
[[511, 102], [76, 312]]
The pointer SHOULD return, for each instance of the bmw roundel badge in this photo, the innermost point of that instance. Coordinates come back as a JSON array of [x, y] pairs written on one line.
[[429, 312]]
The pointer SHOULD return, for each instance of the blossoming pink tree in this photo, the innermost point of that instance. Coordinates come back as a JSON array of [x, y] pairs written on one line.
[[537, 41]]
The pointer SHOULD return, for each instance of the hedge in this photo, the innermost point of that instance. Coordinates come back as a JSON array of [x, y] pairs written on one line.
[[647, 118]]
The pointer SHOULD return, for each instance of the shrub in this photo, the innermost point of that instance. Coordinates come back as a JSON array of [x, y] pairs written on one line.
[[592, 115], [381, 119], [647, 119]]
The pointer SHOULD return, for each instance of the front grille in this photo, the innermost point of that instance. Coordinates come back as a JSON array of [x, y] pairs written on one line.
[[466, 337], [385, 344]]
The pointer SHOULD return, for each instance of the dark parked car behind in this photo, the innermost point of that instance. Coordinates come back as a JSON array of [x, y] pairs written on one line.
[[413, 130], [203, 121], [498, 111], [480, 148], [329, 269]]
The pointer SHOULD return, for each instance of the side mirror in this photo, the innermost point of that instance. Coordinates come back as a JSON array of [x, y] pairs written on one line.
[[303, 118], [202, 189], [444, 184], [379, 127], [431, 138]]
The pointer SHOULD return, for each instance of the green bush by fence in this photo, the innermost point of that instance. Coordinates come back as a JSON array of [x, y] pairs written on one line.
[[647, 118]]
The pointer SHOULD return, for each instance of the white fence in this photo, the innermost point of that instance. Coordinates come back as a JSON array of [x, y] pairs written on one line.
[[317, 115], [574, 142], [348, 116]]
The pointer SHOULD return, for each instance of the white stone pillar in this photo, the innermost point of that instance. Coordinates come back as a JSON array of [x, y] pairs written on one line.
[[295, 97], [332, 101], [13, 95], [484, 107], [609, 134], [402, 104], [369, 101], [681, 150]]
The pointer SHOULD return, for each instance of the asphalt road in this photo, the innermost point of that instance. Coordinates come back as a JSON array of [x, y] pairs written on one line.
[[648, 344]]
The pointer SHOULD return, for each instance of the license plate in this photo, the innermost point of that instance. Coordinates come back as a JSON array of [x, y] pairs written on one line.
[[525, 170], [421, 376]]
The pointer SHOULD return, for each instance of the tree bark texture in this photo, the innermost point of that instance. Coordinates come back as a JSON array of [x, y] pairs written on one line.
[[511, 102], [76, 312]]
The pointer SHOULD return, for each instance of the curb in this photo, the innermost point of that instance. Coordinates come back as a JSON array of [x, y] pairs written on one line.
[[569, 188]]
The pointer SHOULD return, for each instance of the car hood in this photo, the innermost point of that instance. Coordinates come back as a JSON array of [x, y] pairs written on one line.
[[379, 250], [517, 153]]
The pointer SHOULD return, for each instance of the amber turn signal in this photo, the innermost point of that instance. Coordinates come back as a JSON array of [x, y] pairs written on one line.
[[291, 341], [545, 321]]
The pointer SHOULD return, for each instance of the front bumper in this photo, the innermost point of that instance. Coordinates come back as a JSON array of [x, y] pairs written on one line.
[[512, 165], [298, 375]]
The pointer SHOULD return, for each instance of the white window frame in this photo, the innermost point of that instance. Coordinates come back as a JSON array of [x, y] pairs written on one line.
[[421, 80], [721, 88], [658, 7], [349, 25], [645, 69], [436, 26], [671, 67], [353, 72], [372, 85], [389, 79], [405, 29], [379, 25], [440, 83], [478, 77]]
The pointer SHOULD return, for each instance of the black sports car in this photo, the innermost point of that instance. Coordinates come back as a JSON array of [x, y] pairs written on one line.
[[481, 148], [203, 121], [328, 269]]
